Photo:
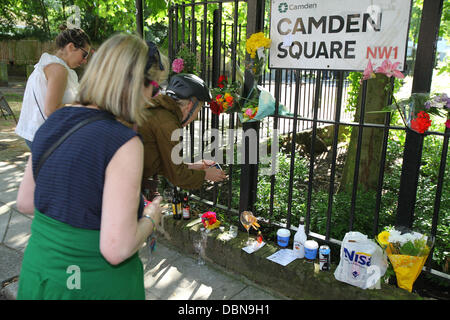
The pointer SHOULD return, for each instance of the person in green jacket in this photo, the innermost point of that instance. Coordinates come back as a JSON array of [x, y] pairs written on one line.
[[184, 97]]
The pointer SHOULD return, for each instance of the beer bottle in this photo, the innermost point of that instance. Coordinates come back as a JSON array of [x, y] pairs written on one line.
[[186, 208], [176, 204]]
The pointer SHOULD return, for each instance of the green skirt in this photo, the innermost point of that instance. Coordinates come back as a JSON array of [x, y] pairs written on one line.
[[64, 263]]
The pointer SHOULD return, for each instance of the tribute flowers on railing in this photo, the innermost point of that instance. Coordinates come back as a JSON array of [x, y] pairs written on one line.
[[225, 96], [259, 103], [185, 61], [415, 111], [255, 47], [407, 251]]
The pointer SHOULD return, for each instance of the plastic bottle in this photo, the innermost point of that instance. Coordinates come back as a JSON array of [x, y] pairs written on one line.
[[299, 240]]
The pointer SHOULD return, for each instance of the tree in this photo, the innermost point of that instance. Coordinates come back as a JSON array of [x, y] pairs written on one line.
[[372, 138]]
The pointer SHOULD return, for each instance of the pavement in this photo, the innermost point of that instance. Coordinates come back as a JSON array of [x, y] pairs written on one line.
[[169, 275]]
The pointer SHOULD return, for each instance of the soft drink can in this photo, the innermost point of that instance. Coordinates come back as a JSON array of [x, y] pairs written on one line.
[[324, 258]]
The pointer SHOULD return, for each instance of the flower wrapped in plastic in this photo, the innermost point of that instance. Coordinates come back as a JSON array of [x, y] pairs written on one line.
[[415, 111], [260, 105], [407, 251], [255, 47]]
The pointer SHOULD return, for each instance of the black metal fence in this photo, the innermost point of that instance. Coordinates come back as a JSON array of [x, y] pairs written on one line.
[[308, 183]]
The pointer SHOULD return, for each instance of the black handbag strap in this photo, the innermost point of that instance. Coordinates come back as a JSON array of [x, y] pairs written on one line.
[[65, 136], [39, 107]]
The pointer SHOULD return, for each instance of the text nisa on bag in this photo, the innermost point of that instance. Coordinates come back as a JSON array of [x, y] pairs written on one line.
[[362, 258]]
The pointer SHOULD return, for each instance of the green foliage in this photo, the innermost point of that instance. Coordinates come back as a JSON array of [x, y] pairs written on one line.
[[409, 249], [354, 79], [99, 19]]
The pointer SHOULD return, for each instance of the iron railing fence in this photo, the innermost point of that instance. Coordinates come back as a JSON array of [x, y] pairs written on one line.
[[315, 99]]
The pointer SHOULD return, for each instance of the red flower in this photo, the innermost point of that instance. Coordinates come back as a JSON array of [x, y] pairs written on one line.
[[215, 107], [222, 81], [421, 123], [209, 218]]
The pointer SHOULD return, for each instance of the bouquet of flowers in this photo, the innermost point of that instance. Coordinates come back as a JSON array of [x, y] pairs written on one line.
[[407, 252], [226, 96], [210, 221], [185, 62], [416, 110], [255, 47], [260, 105]]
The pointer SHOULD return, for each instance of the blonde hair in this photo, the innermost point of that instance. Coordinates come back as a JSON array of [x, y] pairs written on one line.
[[114, 78]]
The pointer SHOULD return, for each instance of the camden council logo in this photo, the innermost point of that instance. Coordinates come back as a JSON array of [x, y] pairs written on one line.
[[282, 7]]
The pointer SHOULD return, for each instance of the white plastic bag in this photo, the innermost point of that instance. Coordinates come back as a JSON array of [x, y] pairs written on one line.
[[362, 262]]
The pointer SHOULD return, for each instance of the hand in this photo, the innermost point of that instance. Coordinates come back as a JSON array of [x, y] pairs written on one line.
[[215, 175], [201, 165], [154, 210]]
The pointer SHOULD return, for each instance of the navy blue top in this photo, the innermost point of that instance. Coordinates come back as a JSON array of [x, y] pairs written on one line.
[[69, 187]]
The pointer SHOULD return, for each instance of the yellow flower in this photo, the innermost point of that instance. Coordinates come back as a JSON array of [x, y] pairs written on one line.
[[256, 40], [383, 238]]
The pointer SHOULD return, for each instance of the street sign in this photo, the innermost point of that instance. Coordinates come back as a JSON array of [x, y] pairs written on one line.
[[338, 34]]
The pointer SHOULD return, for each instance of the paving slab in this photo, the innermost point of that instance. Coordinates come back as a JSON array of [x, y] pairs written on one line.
[[19, 231], [173, 276], [10, 263], [5, 214], [10, 176]]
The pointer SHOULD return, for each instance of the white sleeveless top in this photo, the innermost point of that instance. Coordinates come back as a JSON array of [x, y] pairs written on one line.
[[32, 115]]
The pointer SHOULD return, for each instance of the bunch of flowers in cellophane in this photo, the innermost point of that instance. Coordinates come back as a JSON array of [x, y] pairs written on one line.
[[407, 252], [255, 46], [226, 96], [416, 110], [259, 102]]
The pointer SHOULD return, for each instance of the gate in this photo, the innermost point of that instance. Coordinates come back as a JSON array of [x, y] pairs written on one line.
[[316, 99]]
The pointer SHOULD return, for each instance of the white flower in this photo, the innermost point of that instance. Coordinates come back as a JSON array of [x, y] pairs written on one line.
[[396, 237]]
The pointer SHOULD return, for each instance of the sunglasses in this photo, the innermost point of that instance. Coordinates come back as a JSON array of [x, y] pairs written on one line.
[[85, 53], [156, 87]]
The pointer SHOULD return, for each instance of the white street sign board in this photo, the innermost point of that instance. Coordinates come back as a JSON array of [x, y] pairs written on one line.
[[338, 34]]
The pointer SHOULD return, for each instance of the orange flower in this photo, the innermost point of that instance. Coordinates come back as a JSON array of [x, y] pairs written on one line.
[[229, 98]]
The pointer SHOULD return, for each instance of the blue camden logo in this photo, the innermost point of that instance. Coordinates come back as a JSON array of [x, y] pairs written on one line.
[[361, 258]]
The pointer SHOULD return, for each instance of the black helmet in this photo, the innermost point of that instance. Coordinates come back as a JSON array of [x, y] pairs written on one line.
[[184, 86]]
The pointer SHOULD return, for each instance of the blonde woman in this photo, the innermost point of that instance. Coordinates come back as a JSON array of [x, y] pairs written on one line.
[[88, 222], [53, 81]]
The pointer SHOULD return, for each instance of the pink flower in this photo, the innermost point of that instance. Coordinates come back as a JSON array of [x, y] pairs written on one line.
[[390, 69], [249, 112], [368, 72], [447, 123], [178, 65]]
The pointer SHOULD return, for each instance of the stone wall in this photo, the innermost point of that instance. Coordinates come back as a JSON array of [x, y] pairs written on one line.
[[298, 280]]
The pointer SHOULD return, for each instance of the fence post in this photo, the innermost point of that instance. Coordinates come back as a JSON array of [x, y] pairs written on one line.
[[249, 171], [3, 74], [217, 39], [139, 18], [423, 72]]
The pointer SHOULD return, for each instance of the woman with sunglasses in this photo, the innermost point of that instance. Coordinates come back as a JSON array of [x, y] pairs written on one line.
[[53, 82]]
